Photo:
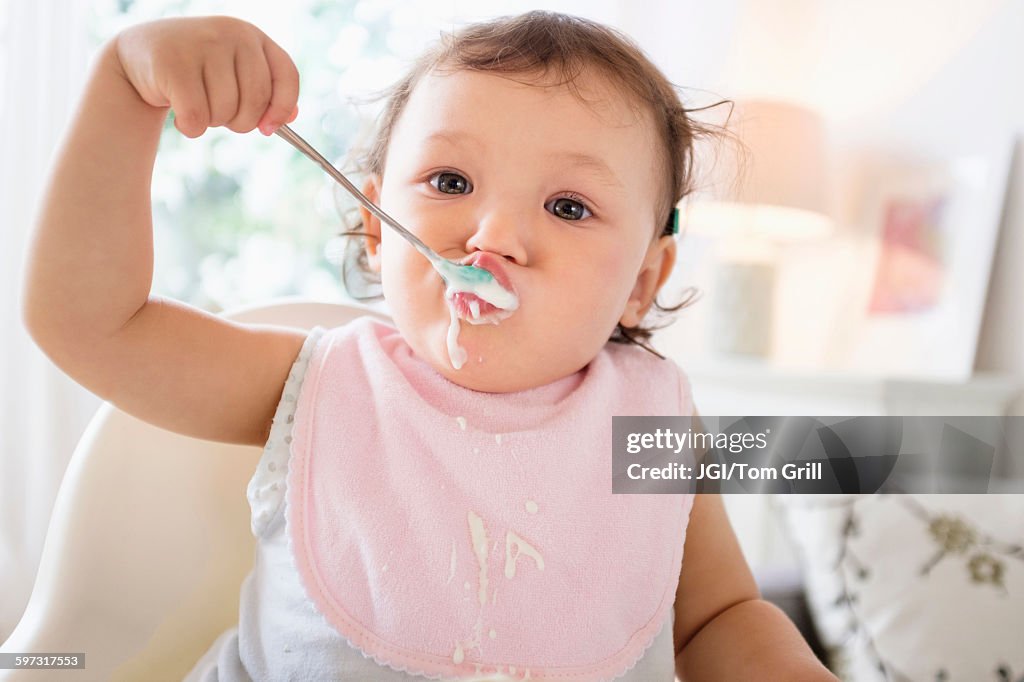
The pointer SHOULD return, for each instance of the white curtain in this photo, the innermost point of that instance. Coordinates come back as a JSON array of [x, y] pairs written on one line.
[[44, 55]]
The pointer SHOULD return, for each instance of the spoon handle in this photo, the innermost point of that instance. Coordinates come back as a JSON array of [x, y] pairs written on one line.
[[296, 141]]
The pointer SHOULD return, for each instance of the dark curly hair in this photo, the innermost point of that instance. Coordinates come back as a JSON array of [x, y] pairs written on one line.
[[545, 42]]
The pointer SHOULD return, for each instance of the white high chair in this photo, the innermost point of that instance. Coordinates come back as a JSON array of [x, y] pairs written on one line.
[[149, 540]]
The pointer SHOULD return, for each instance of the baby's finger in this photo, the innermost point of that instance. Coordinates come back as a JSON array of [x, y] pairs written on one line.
[[188, 101], [221, 87], [253, 76], [285, 87]]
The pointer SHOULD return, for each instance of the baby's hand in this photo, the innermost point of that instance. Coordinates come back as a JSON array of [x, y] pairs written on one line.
[[212, 71]]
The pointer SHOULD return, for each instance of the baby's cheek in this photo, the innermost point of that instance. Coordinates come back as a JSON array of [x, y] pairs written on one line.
[[612, 270], [594, 299]]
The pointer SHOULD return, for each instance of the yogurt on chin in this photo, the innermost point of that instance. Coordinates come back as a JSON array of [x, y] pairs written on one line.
[[472, 294]]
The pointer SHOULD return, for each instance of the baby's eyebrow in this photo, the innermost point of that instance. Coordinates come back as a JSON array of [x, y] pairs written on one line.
[[453, 138], [591, 163], [580, 160]]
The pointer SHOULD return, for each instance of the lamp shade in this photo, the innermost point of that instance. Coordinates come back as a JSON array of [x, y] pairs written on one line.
[[773, 185]]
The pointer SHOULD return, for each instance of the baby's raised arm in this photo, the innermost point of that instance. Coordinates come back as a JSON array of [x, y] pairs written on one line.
[[86, 295]]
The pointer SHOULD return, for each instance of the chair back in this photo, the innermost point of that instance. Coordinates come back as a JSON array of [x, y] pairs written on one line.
[[149, 540]]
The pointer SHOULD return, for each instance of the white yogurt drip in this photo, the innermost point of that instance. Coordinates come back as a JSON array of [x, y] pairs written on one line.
[[522, 547], [451, 566], [474, 643], [462, 279], [480, 542], [456, 353], [479, 535]]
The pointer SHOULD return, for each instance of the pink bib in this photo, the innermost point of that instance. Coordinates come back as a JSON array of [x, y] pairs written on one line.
[[449, 532]]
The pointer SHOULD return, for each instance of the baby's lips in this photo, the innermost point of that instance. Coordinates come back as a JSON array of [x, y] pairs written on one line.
[[492, 264]]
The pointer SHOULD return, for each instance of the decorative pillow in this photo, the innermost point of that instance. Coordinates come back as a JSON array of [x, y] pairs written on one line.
[[913, 587]]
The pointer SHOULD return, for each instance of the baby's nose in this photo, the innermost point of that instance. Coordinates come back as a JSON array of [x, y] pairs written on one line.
[[501, 233]]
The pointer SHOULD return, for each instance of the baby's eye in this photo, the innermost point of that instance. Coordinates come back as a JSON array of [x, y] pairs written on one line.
[[450, 183], [569, 209]]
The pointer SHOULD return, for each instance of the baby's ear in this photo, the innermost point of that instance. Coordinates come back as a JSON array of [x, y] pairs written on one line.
[[371, 223], [656, 268]]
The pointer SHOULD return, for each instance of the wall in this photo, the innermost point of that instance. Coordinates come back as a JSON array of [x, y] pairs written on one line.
[[935, 76], [931, 77]]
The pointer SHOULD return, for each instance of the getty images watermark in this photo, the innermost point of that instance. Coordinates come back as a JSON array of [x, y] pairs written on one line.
[[818, 455]]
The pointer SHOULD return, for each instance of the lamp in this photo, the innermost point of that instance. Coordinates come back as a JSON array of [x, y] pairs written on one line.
[[771, 195]]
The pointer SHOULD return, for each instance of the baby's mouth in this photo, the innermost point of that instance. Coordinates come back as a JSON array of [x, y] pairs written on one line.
[[475, 310]]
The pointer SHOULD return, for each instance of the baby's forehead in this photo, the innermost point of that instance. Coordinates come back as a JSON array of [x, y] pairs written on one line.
[[585, 94], [530, 120]]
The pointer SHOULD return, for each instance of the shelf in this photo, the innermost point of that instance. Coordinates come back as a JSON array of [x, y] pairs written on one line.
[[738, 387]]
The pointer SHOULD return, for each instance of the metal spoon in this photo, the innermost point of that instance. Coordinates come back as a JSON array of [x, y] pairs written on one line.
[[296, 141]]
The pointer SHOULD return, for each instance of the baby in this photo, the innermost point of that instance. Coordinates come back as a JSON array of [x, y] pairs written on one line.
[[424, 508]]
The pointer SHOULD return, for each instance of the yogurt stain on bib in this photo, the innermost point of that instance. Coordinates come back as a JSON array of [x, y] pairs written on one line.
[[451, 566], [479, 535], [521, 546]]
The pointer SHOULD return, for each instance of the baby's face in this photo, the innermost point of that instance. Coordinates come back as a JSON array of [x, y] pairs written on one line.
[[562, 192]]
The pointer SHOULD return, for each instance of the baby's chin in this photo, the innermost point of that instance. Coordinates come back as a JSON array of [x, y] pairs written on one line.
[[487, 362], [479, 374], [492, 362], [455, 351]]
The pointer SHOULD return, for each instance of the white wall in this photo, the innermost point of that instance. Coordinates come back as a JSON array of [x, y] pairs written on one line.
[[936, 77]]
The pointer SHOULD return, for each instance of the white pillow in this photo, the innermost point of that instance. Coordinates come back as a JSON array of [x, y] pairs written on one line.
[[930, 587]]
